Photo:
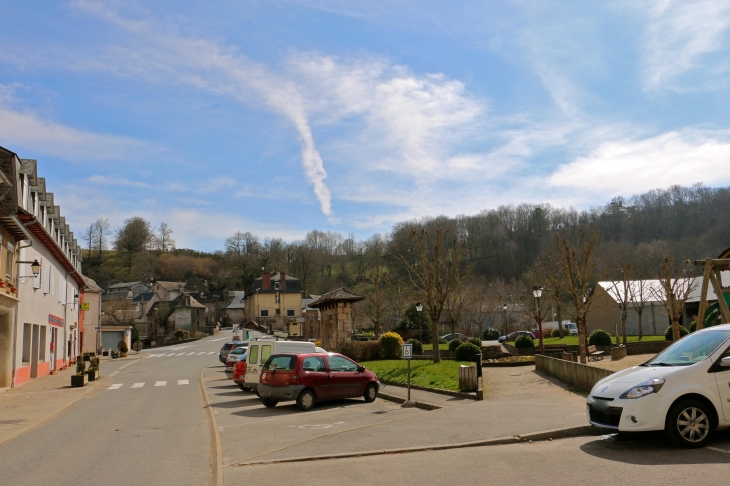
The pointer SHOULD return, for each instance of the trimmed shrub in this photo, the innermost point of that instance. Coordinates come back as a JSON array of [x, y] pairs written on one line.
[[692, 327], [417, 348], [370, 350], [524, 341], [467, 352], [599, 337], [123, 348], [669, 335], [351, 349], [548, 333], [453, 344], [443, 341], [390, 345], [490, 334], [475, 341]]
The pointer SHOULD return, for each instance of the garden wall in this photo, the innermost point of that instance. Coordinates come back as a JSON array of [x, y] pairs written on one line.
[[576, 375]]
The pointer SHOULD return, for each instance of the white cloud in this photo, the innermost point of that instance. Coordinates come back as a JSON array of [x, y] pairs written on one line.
[[679, 36], [26, 130], [631, 166]]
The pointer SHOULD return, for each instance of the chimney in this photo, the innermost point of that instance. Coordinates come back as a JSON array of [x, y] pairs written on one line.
[[266, 281], [282, 280]]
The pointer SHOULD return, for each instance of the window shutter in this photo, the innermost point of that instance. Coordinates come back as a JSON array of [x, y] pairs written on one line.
[[53, 284], [46, 279], [21, 267]]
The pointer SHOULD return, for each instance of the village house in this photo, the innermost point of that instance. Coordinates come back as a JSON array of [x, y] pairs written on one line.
[[274, 302]]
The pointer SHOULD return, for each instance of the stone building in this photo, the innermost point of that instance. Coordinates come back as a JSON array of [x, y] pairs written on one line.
[[336, 320]]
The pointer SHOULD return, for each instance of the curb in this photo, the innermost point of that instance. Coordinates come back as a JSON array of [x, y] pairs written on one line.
[[214, 435], [87, 391], [421, 405], [576, 431], [432, 390]]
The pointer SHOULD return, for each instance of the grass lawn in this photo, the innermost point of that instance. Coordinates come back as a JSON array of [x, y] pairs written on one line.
[[444, 375], [442, 347], [573, 340]]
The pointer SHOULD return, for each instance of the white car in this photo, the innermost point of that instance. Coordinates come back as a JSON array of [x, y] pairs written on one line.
[[684, 391]]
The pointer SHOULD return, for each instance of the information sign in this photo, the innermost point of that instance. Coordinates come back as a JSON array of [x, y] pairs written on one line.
[[407, 351]]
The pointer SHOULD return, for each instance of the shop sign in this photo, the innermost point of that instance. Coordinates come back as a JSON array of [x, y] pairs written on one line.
[[56, 321]]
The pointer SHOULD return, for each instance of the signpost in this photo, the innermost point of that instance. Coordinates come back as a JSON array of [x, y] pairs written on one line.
[[408, 354]]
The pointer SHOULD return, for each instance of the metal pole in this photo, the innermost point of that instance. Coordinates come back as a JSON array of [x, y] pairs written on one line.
[[539, 326], [480, 380], [420, 337], [409, 380]]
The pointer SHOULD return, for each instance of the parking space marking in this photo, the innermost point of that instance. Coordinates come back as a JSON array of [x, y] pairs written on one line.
[[138, 385], [190, 354], [717, 450], [201, 353], [115, 386], [183, 382], [160, 383]]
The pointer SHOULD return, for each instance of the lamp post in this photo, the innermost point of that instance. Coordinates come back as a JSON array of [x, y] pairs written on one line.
[[537, 292], [504, 317], [419, 309]]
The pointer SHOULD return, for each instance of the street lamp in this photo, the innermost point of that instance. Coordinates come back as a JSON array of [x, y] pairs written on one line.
[[537, 293], [35, 267], [419, 309], [504, 317]]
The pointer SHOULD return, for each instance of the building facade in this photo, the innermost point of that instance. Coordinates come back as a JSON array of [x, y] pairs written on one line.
[[274, 301]]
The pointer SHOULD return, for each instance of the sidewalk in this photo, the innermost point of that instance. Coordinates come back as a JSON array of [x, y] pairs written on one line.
[[27, 405]]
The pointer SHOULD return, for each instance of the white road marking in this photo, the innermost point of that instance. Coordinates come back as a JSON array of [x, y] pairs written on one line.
[[160, 383], [717, 450], [316, 426], [201, 353], [190, 354], [213, 352], [219, 339], [180, 354], [183, 382], [115, 386], [138, 385]]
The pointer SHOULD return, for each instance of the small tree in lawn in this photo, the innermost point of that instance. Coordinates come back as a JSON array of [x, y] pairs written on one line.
[[623, 292], [577, 265], [676, 282], [432, 269]]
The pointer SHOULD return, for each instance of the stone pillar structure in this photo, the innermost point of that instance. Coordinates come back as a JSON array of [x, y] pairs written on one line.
[[336, 310]]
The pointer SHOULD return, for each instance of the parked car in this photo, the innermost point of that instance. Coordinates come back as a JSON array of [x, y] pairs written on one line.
[[226, 348], [513, 335], [458, 336], [312, 377], [234, 356], [239, 374], [260, 350], [683, 391]]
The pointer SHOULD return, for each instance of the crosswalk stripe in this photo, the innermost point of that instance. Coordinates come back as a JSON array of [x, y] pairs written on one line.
[[138, 385], [190, 354], [160, 383], [180, 354], [172, 354], [115, 386], [201, 353], [183, 382], [213, 352]]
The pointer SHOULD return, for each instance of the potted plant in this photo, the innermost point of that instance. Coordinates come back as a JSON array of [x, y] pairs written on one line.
[[123, 349], [93, 372], [3, 284], [115, 354], [80, 378], [14, 290]]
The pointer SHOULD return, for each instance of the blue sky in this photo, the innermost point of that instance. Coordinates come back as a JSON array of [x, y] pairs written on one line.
[[285, 116]]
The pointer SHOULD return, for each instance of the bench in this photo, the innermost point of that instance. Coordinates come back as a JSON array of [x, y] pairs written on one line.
[[594, 355]]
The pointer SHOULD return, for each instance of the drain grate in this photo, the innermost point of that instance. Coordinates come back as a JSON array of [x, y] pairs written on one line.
[[12, 422]]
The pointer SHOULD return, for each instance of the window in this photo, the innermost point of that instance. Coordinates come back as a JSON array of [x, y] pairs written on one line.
[[197, 312], [290, 313], [27, 342], [265, 352], [338, 363], [285, 363], [314, 363], [253, 355], [277, 286], [264, 313], [9, 262]]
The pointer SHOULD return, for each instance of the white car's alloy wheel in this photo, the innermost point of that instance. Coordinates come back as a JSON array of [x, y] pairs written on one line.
[[693, 424]]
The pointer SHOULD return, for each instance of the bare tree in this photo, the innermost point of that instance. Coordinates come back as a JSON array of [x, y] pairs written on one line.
[[476, 308], [676, 282], [457, 300], [578, 265], [102, 228], [433, 272], [164, 237], [378, 299], [90, 235], [133, 237], [623, 292]]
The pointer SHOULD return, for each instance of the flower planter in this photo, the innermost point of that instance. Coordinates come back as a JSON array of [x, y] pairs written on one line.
[[122, 355], [93, 375], [14, 290], [87, 357], [3, 285], [79, 380]]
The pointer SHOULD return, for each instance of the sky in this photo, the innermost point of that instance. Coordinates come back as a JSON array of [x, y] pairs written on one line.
[[279, 117]]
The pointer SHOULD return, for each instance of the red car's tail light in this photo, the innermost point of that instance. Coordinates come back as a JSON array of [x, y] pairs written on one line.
[[293, 379]]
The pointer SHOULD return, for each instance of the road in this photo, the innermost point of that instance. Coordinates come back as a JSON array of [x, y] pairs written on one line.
[[149, 426]]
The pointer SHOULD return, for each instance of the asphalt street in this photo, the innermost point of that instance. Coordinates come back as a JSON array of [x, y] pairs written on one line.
[[641, 461], [148, 426]]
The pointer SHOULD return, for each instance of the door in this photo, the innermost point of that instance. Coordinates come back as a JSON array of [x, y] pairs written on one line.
[[53, 349], [252, 364], [722, 377], [345, 379], [109, 339], [314, 374]]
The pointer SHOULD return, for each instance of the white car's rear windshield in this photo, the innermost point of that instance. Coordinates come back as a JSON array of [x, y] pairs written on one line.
[[691, 349]]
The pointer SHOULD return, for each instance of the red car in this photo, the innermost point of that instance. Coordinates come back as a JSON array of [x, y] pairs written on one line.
[[239, 374], [308, 378]]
